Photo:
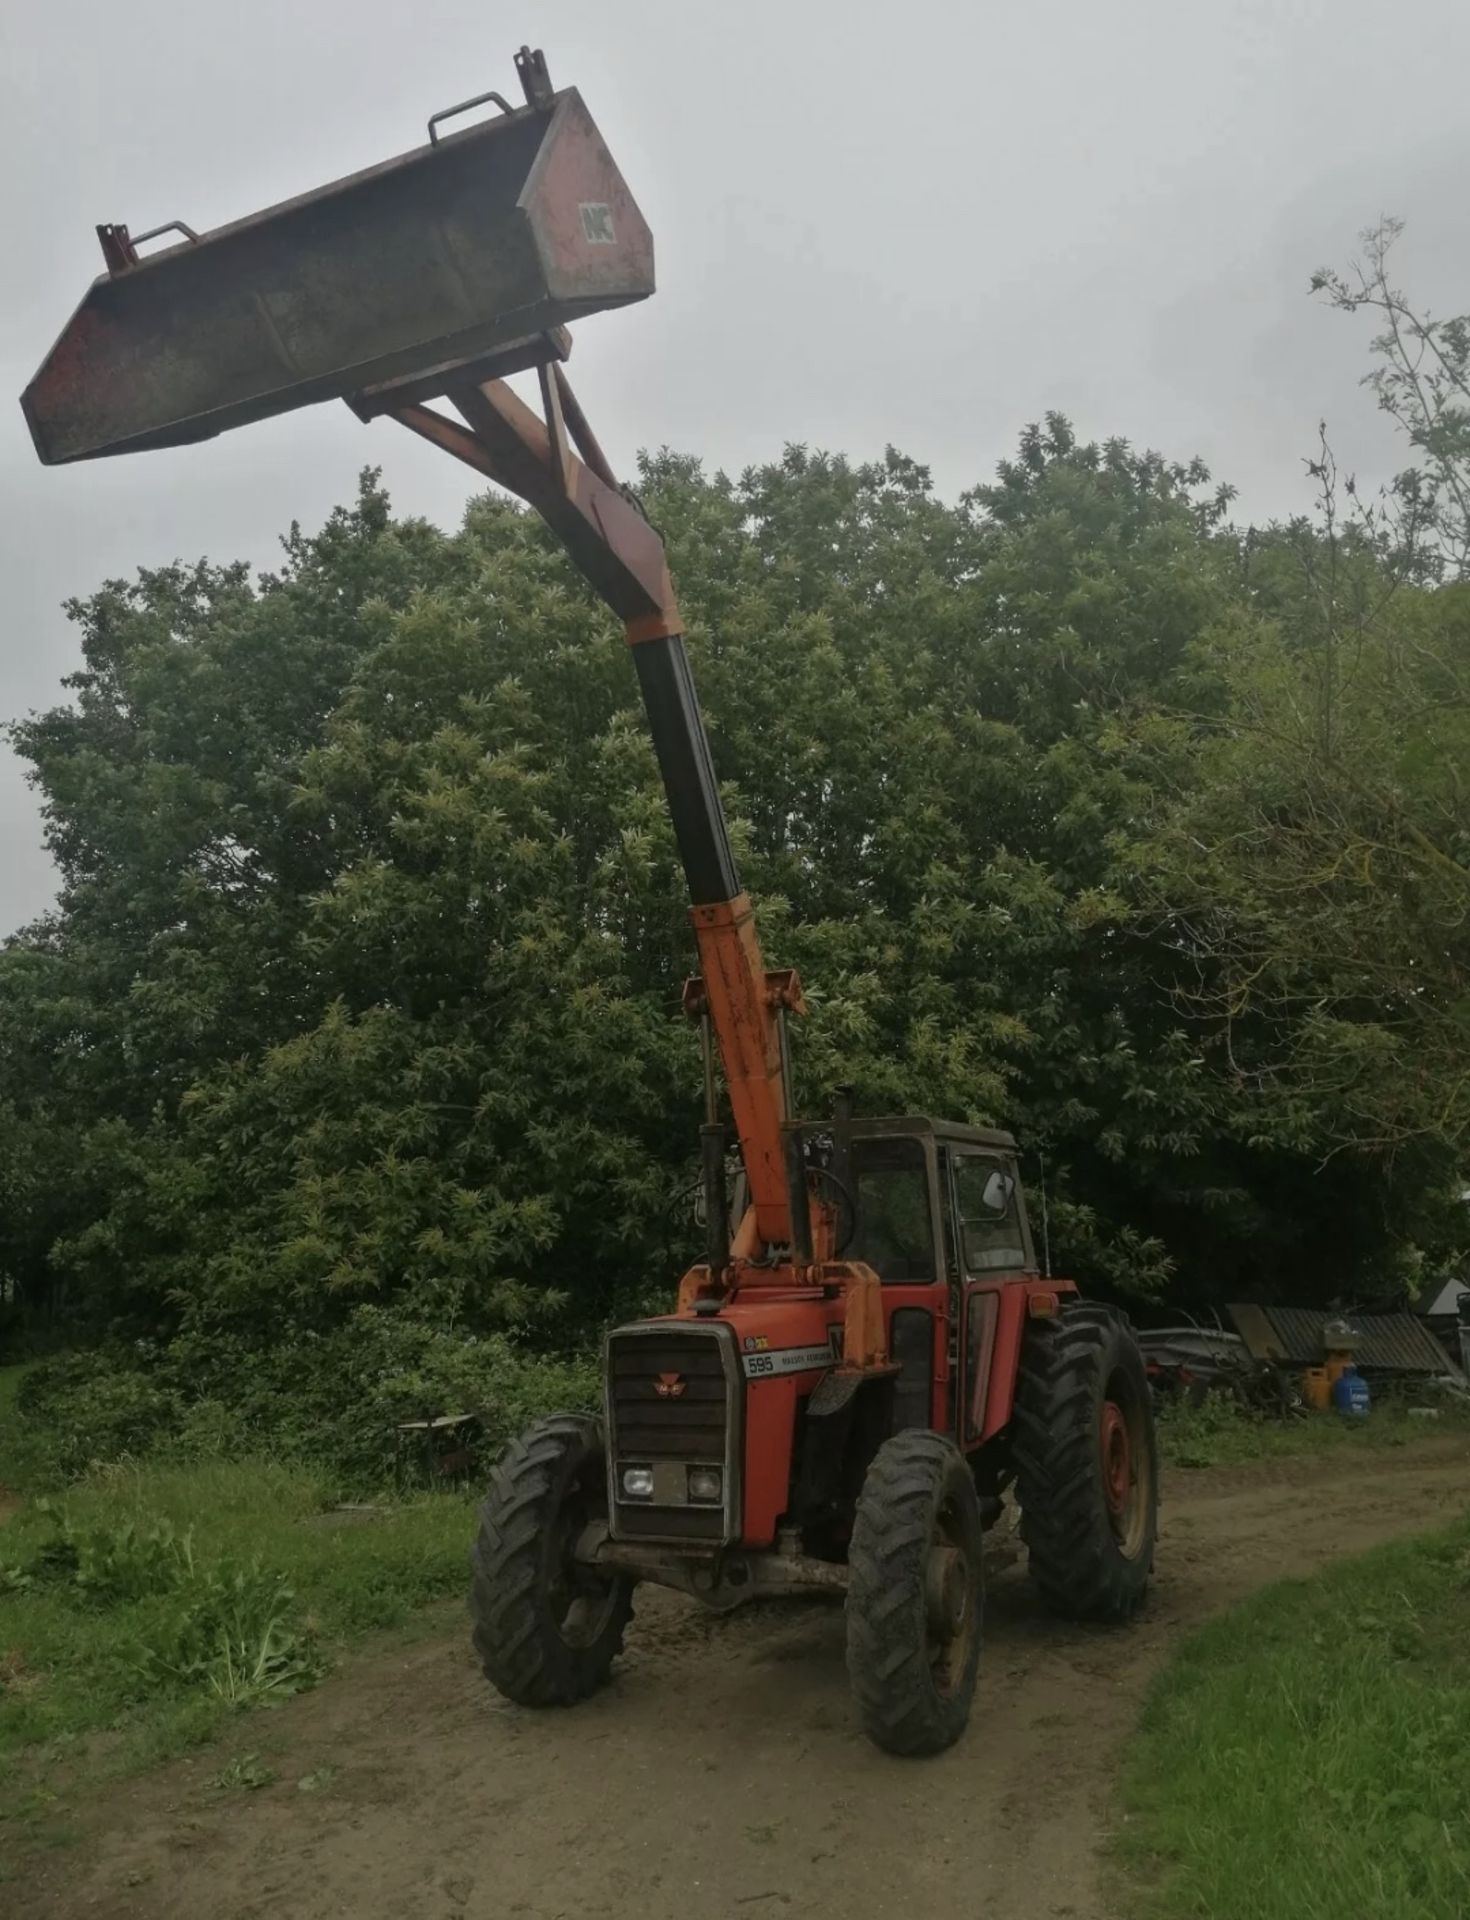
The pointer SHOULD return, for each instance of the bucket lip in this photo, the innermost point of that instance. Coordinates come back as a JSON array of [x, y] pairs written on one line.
[[564, 100]]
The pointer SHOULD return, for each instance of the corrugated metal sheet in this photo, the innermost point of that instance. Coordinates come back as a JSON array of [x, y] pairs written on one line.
[[1258, 1333], [1394, 1342]]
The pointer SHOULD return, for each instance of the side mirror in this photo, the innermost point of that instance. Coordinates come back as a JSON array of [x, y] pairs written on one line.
[[996, 1197]]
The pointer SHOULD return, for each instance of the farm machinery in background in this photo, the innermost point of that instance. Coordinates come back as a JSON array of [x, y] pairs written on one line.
[[1284, 1362], [867, 1359]]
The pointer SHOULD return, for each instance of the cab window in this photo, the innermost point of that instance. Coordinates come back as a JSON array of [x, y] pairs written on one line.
[[990, 1220], [894, 1233]]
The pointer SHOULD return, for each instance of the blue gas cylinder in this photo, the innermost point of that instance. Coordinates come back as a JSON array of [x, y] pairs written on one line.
[[1350, 1394]]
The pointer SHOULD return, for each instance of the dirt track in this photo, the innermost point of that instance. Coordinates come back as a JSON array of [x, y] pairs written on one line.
[[721, 1775]]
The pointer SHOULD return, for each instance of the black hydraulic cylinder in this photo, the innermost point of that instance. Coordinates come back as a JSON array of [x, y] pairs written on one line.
[[682, 747], [840, 1166], [716, 1206], [801, 1214]]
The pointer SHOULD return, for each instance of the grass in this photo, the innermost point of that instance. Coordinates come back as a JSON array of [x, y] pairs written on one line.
[[1306, 1756], [1220, 1434], [150, 1602]]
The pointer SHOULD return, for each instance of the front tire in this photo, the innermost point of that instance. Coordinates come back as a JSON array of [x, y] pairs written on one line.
[[1087, 1470], [915, 1595], [547, 1630]]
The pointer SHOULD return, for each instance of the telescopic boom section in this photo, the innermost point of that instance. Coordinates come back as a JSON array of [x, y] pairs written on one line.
[[622, 556]]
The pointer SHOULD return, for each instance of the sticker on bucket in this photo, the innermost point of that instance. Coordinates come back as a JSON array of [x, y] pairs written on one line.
[[597, 226]]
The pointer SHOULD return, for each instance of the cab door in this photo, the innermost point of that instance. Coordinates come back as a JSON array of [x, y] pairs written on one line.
[[991, 1246]]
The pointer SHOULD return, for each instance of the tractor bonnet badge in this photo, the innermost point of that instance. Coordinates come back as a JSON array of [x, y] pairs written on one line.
[[669, 1386]]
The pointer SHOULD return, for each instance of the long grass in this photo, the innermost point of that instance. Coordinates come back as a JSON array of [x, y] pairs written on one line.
[[1219, 1433], [148, 1603], [1307, 1756]]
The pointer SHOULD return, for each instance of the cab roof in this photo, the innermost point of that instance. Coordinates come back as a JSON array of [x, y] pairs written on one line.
[[921, 1124]]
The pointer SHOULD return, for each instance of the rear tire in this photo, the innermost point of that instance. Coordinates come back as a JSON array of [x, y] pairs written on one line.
[[915, 1595], [1087, 1472], [546, 1629]]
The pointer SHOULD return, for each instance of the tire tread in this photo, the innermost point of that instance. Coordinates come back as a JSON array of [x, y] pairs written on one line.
[[887, 1660], [1075, 1561], [521, 1651]]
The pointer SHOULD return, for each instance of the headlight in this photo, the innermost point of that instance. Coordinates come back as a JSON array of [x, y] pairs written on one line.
[[706, 1484], [638, 1483]]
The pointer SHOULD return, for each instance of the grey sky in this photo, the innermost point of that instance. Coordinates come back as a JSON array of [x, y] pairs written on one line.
[[922, 224]]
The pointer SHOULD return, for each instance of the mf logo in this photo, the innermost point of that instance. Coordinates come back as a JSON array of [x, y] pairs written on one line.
[[669, 1386]]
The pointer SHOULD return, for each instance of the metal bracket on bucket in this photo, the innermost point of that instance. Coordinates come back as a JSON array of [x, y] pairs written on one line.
[[516, 356], [120, 248]]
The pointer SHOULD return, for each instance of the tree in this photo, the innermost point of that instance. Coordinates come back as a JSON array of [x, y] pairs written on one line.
[[358, 1018], [1310, 851], [1313, 849], [1422, 381]]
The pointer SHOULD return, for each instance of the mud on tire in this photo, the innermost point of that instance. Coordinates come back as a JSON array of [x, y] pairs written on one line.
[[546, 1630], [915, 1595], [1086, 1462]]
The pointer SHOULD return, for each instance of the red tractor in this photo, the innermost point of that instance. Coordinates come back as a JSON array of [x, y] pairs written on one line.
[[868, 1357], [838, 1411]]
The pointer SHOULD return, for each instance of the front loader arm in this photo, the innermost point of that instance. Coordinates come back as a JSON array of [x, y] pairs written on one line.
[[613, 545]]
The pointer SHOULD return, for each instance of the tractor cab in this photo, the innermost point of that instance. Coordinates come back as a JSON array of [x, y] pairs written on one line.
[[940, 1216], [937, 1210], [935, 1200]]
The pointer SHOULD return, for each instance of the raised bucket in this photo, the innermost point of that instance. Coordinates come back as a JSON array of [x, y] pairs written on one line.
[[477, 242]]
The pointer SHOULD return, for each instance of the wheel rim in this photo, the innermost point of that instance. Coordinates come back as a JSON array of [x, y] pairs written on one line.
[[580, 1602], [952, 1601], [1117, 1459], [1126, 1463]]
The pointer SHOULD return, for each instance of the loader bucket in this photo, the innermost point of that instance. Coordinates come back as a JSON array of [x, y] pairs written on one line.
[[481, 243]]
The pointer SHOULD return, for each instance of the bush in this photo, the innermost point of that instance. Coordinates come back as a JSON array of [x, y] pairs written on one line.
[[97, 1406], [338, 1398], [335, 1399]]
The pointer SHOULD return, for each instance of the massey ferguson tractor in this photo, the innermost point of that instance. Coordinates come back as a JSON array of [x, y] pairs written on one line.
[[868, 1356]]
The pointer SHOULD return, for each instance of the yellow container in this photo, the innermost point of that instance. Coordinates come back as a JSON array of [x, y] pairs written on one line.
[[1317, 1388]]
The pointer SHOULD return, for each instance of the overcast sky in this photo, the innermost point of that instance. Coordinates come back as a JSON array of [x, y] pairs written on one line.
[[922, 223]]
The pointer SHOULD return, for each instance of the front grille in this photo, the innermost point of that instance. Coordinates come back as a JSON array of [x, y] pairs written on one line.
[[688, 1427], [647, 1425]]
